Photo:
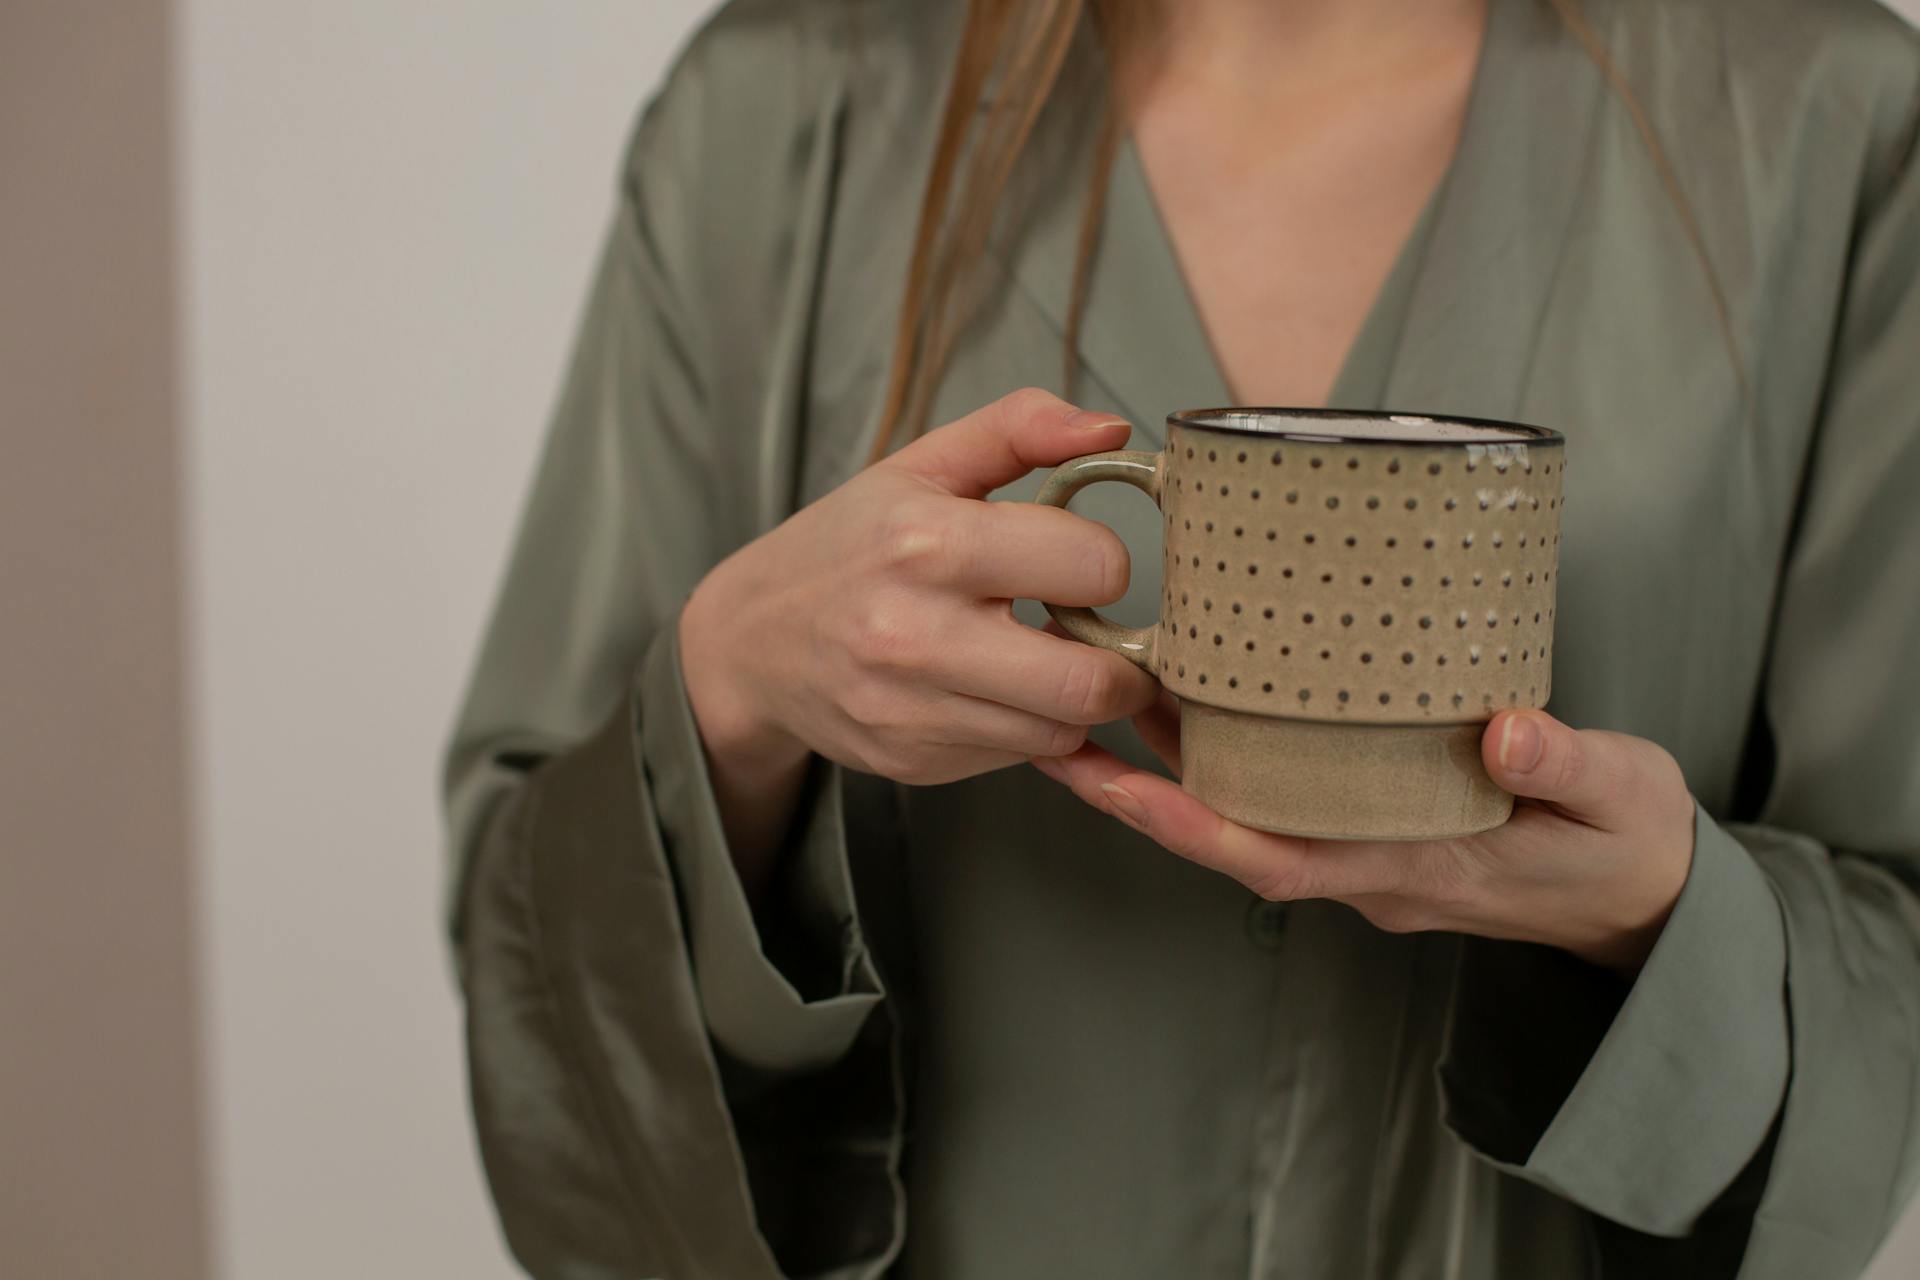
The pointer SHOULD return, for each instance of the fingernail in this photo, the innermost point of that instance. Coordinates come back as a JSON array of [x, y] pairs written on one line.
[[1049, 766], [1125, 805], [1521, 744], [1091, 420]]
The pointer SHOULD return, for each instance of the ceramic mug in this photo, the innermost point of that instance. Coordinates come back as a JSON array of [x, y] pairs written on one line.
[[1348, 598]]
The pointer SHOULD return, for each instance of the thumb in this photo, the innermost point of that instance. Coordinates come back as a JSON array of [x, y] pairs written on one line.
[[1593, 775], [998, 444]]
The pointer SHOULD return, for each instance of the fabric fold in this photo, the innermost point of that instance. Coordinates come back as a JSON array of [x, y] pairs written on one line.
[[1684, 1080], [755, 1011]]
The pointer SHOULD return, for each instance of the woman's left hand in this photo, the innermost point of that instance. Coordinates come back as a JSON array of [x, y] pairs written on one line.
[[1592, 860]]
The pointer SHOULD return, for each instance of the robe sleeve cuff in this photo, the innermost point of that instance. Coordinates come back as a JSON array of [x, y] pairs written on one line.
[[1685, 1081], [790, 993]]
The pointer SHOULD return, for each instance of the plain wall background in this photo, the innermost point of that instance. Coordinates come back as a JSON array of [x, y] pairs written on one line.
[[390, 211], [386, 213]]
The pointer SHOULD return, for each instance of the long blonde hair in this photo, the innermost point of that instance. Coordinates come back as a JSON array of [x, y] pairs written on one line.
[[1019, 47]]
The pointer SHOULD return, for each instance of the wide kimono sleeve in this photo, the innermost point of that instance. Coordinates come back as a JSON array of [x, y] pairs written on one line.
[[662, 1084], [1750, 1103]]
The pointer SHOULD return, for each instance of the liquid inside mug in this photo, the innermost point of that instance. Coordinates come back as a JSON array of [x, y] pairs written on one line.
[[1348, 598]]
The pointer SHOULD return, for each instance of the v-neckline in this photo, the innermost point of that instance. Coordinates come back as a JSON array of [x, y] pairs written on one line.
[[1524, 140], [1361, 377]]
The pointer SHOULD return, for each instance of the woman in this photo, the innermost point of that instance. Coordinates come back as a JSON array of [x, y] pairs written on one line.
[[779, 957]]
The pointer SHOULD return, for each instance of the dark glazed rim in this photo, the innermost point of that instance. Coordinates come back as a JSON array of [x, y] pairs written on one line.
[[1193, 418]]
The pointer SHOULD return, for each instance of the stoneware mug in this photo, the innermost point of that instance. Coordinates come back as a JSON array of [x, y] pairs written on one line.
[[1348, 598]]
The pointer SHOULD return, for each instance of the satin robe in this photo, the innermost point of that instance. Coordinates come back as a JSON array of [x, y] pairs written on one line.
[[984, 1032]]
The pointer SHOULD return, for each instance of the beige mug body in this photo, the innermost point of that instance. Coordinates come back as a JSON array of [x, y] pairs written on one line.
[[1347, 599]]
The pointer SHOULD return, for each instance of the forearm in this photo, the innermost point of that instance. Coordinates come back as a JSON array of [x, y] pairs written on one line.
[[756, 770], [757, 800]]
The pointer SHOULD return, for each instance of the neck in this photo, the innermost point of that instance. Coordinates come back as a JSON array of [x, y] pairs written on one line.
[[1244, 41]]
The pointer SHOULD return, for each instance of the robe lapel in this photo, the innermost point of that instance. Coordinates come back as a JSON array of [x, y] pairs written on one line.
[[1501, 221], [1141, 345]]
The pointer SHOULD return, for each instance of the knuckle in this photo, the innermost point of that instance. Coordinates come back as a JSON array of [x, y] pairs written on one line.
[[1108, 567], [1188, 846], [1451, 882], [1063, 739], [1573, 767], [1089, 691], [1027, 403], [869, 707], [916, 541], [885, 635], [1397, 915], [1286, 881], [908, 762]]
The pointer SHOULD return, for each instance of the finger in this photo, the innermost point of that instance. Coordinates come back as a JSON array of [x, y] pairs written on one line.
[[904, 755], [1085, 771], [962, 720], [1159, 727], [1604, 779], [1019, 550], [934, 768], [1061, 680], [1281, 868], [1001, 442]]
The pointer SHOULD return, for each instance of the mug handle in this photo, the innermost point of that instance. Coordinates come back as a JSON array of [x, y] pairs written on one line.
[[1142, 471]]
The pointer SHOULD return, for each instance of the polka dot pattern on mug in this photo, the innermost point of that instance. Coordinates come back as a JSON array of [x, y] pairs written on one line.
[[1376, 581]]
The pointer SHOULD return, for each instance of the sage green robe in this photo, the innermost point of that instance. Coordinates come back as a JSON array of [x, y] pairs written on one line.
[[984, 1032]]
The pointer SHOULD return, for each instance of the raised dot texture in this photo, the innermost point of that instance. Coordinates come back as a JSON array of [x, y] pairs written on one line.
[[1411, 535]]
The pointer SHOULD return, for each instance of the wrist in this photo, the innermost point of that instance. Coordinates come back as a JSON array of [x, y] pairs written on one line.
[[1622, 948], [741, 736], [1636, 913]]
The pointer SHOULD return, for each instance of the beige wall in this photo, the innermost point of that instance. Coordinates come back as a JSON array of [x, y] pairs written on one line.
[[99, 1126], [389, 214]]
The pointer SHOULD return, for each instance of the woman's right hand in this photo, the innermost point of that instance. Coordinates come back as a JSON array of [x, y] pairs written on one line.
[[875, 626]]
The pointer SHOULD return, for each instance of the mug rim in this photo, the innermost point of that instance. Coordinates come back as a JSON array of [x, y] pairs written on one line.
[[1209, 420]]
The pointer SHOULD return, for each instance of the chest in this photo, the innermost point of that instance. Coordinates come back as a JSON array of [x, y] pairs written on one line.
[[1287, 212]]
